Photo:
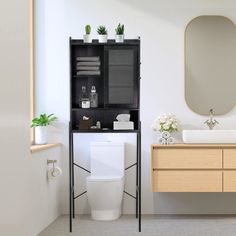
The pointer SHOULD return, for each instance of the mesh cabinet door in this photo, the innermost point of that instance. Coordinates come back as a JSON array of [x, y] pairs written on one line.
[[121, 76]]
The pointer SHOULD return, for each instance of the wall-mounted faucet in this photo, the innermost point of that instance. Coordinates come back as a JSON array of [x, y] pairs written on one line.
[[211, 122]]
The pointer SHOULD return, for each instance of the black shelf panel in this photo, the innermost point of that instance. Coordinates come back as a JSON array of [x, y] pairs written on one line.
[[109, 42], [86, 76], [105, 131], [103, 108]]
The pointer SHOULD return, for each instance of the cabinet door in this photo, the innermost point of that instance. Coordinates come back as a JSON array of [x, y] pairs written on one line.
[[121, 76], [229, 158], [186, 158], [229, 178], [187, 181]]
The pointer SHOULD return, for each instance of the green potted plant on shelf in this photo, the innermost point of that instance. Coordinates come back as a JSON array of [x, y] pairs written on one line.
[[87, 36], [120, 33], [40, 124], [102, 34]]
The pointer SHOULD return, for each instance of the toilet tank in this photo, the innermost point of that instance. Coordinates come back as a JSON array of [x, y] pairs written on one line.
[[107, 158]]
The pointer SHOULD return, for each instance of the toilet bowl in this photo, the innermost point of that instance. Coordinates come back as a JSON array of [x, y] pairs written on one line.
[[105, 197], [105, 186]]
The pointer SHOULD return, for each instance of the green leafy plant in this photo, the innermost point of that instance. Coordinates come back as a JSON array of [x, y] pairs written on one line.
[[102, 30], [120, 29], [43, 120], [87, 29]]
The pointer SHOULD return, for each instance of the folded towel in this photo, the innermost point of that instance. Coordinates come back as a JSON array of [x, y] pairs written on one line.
[[87, 58], [88, 72], [87, 67], [88, 63]]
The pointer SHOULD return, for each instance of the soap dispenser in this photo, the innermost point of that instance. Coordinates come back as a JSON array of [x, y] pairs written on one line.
[[84, 99], [93, 97]]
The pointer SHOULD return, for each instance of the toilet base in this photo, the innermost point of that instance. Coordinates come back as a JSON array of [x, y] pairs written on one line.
[[106, 215]]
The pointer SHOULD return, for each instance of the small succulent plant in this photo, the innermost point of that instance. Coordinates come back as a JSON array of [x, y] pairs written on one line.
[[120, 29], [102, 30], [87, 29]]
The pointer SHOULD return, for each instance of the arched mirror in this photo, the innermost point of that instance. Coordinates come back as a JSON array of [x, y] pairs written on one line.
[[210, 65]]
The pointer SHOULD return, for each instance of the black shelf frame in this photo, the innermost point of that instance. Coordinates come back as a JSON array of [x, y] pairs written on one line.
[[73, 131]]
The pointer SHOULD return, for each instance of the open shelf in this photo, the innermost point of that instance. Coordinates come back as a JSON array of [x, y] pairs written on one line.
[[105, 116]]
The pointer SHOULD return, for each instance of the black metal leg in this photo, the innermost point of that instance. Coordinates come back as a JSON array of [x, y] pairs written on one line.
[[70, 180], [136, 201], [73, 182], [139, 182]]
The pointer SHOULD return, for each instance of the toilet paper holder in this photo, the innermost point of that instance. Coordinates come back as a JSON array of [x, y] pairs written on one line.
[[53, 163], [54, 171]]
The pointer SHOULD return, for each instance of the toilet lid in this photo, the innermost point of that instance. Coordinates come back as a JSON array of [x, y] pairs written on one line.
[[104, 178]]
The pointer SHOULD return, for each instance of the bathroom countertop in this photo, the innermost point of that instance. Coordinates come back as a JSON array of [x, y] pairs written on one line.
[[197, 145]]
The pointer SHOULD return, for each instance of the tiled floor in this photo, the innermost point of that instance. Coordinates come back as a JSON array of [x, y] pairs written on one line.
[[151, 226]]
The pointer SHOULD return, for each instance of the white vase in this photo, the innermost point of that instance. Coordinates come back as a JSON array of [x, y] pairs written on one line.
[[102, 38], [87, 38], [166, 138], [41, 135], [119, 38]]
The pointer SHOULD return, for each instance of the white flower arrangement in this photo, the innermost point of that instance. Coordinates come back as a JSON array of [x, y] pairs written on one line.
[[166, 122]]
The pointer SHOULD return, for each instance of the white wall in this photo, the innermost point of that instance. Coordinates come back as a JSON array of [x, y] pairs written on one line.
[[28, 202], [161, 25], [45, 194], [14, 119]]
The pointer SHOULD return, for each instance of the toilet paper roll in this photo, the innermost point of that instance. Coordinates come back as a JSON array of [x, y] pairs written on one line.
[[54, 172]]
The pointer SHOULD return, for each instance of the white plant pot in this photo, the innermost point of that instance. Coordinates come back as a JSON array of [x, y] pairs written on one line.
[[41, 135], [87, 38], [119, 38], [102, 38]]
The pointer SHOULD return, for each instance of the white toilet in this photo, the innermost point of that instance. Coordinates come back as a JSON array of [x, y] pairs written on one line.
[[105, 186]]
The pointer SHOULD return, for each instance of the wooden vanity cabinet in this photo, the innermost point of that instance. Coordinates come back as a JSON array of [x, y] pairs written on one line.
[[193, 168]]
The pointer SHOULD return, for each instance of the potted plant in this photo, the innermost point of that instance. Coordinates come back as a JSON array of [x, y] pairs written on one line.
[[102, 34], [87, 36], [120, 33], [40, 125]]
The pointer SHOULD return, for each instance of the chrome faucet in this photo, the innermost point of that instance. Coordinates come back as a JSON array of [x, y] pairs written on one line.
[[211, 122]]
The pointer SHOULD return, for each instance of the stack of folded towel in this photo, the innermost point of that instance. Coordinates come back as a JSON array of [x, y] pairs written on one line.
[[88, 65]]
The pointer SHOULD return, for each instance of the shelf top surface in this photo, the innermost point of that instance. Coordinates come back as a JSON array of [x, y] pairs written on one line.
[[186, 145], [105, 131], [109, 42], [104, 108]]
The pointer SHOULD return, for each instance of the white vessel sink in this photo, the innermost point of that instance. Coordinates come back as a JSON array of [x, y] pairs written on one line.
[[209, 136]]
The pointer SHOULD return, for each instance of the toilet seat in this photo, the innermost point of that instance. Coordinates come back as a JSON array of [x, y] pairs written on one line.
[[104, 178]]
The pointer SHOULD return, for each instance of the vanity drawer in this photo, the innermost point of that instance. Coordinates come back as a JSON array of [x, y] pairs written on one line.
[[229, 181], [194, 158], [187, 181], [229, 157]]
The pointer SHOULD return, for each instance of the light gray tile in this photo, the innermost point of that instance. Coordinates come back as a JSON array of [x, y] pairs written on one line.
[[151, 225]]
